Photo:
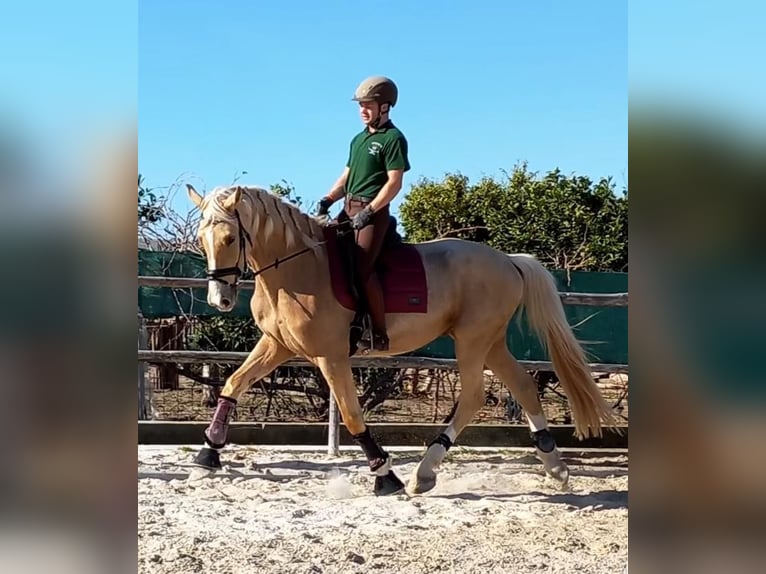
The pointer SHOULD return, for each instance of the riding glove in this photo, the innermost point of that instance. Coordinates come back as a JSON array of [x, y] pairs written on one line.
[[362, 219], [324, 208]]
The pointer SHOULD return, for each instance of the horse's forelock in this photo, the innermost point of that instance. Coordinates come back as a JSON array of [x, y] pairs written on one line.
[[212, 204]]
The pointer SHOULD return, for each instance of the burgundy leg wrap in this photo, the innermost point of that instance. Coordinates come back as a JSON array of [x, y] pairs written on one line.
[[375, 455], [215, 434]]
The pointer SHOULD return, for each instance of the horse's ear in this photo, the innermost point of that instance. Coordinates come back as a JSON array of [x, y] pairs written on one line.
[[193, 195], [231, 202]]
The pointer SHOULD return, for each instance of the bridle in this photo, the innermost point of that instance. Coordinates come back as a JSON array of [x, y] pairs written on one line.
[[244, 240], [237, 271]]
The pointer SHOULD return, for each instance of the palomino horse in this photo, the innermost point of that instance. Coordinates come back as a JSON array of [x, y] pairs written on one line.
[[472, 293]]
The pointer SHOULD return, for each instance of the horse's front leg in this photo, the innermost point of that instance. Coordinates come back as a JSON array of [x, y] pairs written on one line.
[[341, 380], [267, 355]]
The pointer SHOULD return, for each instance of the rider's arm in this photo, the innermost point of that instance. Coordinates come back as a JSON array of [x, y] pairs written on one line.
[[397, 163], [338, 189], [389, 190]]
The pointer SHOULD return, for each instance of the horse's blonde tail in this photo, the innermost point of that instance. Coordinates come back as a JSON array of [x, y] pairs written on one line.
[[546, 317]]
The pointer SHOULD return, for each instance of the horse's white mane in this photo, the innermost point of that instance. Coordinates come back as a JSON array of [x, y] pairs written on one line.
[[268, 211]]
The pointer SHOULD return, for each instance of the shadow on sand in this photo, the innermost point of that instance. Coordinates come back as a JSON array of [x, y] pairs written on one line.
[[602, 500]]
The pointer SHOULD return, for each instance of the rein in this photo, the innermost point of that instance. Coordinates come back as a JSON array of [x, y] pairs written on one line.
[[278, 261]]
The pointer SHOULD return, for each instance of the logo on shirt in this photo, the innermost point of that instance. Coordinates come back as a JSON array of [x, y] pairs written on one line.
[[374, 148]]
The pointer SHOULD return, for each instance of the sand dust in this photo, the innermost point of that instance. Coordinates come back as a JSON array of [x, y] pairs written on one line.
[[287, 511]]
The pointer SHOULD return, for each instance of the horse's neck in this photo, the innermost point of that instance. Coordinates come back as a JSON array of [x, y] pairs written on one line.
[[270, 248], [276, 273]]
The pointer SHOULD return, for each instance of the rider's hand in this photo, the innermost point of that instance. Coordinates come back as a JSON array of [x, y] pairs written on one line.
[[362, 219], [324, 205], [324, 208]]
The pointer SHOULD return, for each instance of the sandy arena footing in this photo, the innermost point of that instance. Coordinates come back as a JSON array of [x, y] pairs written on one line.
[[298, 510]]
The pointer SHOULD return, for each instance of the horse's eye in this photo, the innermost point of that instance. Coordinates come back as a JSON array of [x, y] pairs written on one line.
[[228, 240]]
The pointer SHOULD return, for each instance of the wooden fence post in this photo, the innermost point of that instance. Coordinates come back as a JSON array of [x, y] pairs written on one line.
[[142, 344], [333, 427]]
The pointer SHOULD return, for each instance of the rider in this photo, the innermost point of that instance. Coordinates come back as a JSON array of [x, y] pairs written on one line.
[[378, 158]]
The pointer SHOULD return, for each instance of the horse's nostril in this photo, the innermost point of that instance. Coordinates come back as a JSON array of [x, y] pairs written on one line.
[[225, 302]]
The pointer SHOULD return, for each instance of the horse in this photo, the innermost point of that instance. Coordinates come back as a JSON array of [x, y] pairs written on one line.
[[471, 292]]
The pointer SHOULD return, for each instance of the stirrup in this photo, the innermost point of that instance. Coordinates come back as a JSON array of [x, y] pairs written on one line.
[[373, 342]]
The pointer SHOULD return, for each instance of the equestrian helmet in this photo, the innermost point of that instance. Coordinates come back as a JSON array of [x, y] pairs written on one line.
[[377, 89]]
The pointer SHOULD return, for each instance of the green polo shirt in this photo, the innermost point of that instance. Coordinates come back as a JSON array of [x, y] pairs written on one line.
[[371, 156]]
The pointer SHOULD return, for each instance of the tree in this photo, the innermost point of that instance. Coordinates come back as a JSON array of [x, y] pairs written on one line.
[[286, 191], [149, 208], [568, 222]]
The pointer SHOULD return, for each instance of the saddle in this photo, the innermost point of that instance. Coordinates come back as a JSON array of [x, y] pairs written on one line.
[[399, 267]]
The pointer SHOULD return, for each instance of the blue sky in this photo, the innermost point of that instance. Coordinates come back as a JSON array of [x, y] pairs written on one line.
[[224, 86], [265, 87]]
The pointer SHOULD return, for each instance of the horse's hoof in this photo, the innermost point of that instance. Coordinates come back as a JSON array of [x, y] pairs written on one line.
[[560, 474], [554, 466], [420, 483], [208, 458], [388, 484]]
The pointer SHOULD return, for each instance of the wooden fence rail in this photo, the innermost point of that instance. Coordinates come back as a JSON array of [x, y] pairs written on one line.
[[397, 362]]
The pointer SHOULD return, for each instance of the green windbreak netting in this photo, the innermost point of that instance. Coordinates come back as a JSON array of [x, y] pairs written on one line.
[[603, 330]]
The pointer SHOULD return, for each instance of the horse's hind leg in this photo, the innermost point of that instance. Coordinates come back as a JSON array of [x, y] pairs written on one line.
[[524, 390], [341, 380], [470, 360]]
